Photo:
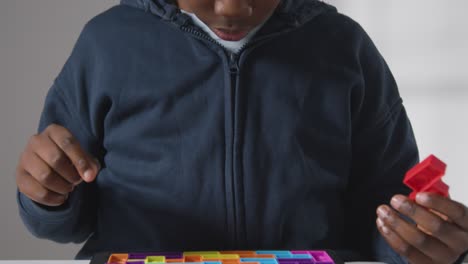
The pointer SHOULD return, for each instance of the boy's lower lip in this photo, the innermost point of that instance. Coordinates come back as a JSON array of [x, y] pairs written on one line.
[[228, 35]]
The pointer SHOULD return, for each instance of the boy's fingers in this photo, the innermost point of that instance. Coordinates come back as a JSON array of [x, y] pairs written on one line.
[[455, 211], [86, 166], [51, 154], [400, 246], [449, 234], [36, 192], [417, 239], [44, 175]]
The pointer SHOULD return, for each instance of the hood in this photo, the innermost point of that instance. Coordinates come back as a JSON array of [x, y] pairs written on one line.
[[293, 12], [161, 8]]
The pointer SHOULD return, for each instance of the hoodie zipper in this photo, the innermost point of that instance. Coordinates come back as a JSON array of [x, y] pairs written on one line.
[[233, 64], [234, 70], [233, 73]]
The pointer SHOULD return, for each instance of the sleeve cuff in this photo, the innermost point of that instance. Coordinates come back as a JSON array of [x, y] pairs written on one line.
[[31, 209]]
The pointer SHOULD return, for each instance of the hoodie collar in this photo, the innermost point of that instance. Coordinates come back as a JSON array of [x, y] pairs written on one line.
[[292, 12]]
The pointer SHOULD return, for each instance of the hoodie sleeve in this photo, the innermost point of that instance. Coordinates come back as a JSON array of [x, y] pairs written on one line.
[[383, 149], [73, 104]]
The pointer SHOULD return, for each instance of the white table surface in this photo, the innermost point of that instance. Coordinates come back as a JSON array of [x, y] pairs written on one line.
[[87, 262]]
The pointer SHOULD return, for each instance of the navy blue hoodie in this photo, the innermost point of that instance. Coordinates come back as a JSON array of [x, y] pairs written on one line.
[[292, 144]]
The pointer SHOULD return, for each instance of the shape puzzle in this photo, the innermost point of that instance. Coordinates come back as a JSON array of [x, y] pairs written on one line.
[[221, 257]]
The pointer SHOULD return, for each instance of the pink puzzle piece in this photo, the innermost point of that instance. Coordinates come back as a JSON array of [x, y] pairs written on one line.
[[427, 177]]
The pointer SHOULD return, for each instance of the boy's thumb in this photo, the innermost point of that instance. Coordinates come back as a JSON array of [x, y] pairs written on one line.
[[91, 173]]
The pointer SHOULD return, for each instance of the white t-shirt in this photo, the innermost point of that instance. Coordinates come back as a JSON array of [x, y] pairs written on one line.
[[231, 46]]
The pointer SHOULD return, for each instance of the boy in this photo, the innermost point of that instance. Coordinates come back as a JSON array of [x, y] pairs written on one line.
[[230, 124]]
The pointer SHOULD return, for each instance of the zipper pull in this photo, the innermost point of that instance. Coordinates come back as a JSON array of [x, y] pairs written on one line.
[[233, 63]]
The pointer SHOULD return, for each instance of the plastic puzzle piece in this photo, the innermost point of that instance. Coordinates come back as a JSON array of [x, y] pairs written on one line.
[[167, 255], [155, 259], [427, 177], [321, 257], [277, 253], [118, 258]]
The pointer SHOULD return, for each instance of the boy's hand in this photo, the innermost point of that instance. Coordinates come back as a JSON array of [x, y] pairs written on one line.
[[52, 164], [440, 232]]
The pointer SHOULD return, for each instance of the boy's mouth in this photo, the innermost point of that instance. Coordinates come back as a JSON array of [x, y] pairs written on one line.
[[229, 34]]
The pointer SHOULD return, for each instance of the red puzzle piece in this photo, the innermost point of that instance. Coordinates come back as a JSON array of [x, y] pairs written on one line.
[[427, 177]]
